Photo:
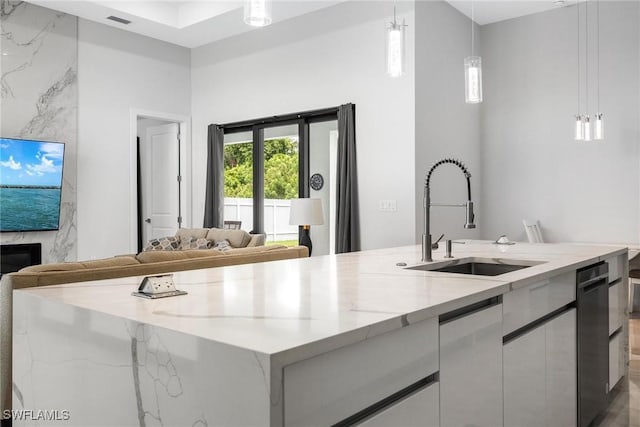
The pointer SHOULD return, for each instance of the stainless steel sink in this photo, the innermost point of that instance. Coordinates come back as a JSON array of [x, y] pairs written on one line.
[[477, 266]]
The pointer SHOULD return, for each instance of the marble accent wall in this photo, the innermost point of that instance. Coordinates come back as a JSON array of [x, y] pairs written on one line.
[[39, 100]]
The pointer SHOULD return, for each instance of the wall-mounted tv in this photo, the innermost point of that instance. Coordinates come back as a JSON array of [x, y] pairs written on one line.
[[30, 184]]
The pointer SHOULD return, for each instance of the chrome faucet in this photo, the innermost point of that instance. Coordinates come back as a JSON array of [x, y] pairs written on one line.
[[426, 234]]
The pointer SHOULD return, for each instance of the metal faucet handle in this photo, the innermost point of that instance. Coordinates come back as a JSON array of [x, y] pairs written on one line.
[[434, 245], [470, 216]]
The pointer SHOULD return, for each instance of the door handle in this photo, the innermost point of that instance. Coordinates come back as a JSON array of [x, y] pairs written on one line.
[[148, 220]]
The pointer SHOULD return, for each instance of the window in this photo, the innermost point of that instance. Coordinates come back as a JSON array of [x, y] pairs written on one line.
[[268, 164]]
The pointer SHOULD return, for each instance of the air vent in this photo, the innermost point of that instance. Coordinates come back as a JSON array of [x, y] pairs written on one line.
[[119, 20]]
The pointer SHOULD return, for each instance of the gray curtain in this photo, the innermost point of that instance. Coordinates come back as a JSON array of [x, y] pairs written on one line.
[[347, 211], [214, 198]]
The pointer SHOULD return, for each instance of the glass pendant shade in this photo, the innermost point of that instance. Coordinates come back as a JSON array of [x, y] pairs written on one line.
[[473, 79], [579, 129], [598, 127], [587, 128], [257, 13], [395, 49]]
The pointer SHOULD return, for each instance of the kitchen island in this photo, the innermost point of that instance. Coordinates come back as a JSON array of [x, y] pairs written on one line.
[[333, 339]]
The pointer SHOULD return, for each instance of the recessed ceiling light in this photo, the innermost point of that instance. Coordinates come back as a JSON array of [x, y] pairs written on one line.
[[119, 20]]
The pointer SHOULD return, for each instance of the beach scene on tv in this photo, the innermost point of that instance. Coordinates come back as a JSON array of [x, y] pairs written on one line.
[[30, 184]]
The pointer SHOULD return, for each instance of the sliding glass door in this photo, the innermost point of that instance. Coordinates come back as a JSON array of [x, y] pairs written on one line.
[[268, 164], [263, 171], [238, 179], [281, 154]]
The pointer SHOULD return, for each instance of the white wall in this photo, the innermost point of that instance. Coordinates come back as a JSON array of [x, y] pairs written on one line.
[[445, 125], [118, 71], [532, 167], [323, 59]]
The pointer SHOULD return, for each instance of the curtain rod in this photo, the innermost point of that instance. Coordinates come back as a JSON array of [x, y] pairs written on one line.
[[281, 118]]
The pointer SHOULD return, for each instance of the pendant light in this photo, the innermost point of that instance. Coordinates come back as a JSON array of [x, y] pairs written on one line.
[[472, 72], [584, 131], [396, 47], [257, 13], [579, 124], [587, 128], [598, 129], [579, 129]]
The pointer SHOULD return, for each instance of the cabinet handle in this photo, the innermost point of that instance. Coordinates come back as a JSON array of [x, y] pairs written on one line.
[[536, 323], [389, 401], [594, 286], [470, 309]]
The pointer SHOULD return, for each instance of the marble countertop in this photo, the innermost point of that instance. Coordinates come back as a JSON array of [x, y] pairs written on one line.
[[316, 304]]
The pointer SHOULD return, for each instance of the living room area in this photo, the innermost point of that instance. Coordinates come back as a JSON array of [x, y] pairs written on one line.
[[85, 83], [94, 84], [100, 80]]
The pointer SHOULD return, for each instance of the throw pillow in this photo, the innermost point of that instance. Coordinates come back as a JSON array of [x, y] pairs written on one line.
[[169, 243], [222, 245], [195, 243], [236, 238]]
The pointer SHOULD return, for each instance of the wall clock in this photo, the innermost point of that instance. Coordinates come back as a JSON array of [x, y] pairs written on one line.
[[316, 181]]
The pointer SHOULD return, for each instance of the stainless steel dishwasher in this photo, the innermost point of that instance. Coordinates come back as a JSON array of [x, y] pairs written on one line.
[[593, 341]]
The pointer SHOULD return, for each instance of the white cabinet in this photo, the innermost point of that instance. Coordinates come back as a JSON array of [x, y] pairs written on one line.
[[616, 344], [618, 280], [524, 385], [616, 267], [419, 409], [523, 306], [615, 307], [615, 360], [333, 386], [561, 368], [471, 369], [540, 379]]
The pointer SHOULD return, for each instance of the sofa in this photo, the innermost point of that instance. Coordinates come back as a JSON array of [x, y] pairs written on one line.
[[239, 247]]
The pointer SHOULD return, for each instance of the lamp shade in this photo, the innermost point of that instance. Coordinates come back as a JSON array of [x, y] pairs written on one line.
[[306, 212]]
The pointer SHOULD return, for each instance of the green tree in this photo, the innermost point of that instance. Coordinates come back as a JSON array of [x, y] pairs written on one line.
[[281, 169], [281, 177], [238, 181], [235, 154]]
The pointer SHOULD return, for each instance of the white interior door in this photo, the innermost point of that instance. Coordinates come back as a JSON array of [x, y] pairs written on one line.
[[160, 181]]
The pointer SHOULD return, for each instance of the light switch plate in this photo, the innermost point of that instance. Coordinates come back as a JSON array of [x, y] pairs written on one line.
[[387, 205]]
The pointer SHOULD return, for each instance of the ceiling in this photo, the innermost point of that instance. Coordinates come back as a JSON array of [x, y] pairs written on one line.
[[185, 23], [192, 23], [490, 11]]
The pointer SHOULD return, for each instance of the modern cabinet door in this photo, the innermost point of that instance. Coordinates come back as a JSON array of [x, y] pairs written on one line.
[[471, 368], [616, 343], [615, 308], [561, 374], [331, 387], [524, 379], [540, 375], [419, 409]]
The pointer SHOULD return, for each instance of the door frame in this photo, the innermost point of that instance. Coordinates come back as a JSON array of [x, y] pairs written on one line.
[[184, 124]]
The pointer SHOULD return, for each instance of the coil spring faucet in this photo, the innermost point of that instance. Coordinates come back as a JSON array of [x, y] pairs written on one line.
[[426, 234]]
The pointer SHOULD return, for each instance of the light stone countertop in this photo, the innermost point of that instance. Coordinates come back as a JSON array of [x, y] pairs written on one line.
[[295, 309]]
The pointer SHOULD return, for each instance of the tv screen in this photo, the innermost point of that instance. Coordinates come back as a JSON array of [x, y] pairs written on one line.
[[30, 184]]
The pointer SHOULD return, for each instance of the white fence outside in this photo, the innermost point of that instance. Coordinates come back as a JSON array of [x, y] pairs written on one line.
[[276, 217]]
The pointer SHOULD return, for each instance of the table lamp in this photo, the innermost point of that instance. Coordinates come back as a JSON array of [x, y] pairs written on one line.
[[306, 212]]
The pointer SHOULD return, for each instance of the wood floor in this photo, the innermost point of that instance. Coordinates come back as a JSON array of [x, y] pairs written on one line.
[[624, 410]]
